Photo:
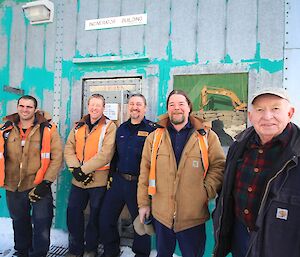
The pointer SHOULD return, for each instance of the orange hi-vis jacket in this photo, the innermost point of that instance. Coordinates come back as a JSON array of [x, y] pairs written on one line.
[[88, 146]]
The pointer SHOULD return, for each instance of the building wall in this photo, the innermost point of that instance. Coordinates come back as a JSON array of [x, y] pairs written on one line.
[[181, 37]]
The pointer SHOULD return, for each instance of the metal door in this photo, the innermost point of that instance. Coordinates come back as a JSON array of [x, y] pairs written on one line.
[[116, 92]]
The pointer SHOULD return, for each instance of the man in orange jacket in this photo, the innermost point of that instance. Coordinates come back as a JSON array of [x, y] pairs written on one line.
[[88, 152], [30, 159]]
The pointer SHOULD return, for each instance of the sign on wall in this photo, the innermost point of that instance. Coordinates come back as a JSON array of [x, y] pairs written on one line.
[[114, 22]]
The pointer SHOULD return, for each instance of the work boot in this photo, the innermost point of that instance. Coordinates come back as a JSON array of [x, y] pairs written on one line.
[[20, 254], [68, 254], [90, 254]]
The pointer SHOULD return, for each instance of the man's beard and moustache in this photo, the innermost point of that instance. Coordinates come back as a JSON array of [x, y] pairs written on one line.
[[178, 120], [134, 114]]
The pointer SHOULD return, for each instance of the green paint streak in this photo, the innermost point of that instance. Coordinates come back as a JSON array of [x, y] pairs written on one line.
[[227, 59], [258, 63], [36, 81]]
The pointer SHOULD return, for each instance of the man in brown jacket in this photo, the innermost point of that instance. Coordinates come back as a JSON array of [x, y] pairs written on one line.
[[180, 178], [30, 159], [88, 152]]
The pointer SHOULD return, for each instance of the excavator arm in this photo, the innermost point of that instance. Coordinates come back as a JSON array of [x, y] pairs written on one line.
[[237, 104]]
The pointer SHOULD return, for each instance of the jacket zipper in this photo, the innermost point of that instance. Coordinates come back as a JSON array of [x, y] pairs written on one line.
[[265, 195], [268, 185]]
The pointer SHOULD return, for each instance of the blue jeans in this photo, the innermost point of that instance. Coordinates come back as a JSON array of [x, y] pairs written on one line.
[[122, 192], [31, 230], [83, 238], [191, 241]]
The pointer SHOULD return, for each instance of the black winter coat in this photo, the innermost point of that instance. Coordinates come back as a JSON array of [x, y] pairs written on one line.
[[274, 237]]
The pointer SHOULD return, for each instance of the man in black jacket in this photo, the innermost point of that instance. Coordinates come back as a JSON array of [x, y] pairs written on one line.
[[258, 210]]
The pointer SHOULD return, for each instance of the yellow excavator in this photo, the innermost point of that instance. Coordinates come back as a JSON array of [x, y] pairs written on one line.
[[237, 104]]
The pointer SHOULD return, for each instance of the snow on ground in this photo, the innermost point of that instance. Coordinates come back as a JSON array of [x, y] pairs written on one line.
[[58, 238]]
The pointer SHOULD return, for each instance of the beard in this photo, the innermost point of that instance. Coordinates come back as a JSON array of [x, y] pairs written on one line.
[[178, 120], [134, 115]]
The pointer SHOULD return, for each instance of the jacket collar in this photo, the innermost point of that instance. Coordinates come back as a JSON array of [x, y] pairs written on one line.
[[294, 143], [15, 118]]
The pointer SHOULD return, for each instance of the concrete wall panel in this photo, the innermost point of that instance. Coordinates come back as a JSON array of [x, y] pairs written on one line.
[[183, 30], [87, 40], [211, 30], [241, 29], [35, 46], [69, 28], [109, 39], [50, 46], [3, 40], [271, 28], [132, 38], [157, 28], [17, 47]]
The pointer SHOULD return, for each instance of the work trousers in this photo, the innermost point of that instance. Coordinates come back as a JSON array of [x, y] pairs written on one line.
[[191, 241], [31, 223], [84, 238], [122, 192]]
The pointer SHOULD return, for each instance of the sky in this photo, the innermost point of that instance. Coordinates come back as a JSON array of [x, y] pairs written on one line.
[[58, 238]]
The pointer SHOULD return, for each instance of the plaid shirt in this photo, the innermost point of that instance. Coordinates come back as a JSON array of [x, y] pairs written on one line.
[[253, 172]]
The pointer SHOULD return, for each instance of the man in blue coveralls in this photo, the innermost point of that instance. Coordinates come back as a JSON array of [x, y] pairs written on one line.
[[130, 140]]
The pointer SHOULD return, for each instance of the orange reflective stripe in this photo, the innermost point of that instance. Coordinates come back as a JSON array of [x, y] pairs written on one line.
[[152, 175], [45, 155], [88, 147], [203, 144]]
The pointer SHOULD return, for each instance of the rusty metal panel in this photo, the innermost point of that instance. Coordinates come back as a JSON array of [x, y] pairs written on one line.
[[211, 30], [87, 40], [3, 42], [17, 47], [69, 28], [157, 28], [132, 38], [109, 39], [183, 30], [35, 46], [241, 29], [271, 28]]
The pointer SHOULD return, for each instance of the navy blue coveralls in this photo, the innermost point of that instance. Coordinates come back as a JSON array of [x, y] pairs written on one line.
[[130, 140]]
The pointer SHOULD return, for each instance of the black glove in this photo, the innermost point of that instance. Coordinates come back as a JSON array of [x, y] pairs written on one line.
[[80, 176], [40, 191]]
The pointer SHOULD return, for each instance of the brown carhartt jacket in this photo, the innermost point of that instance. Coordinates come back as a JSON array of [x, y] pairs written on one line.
[[22, 163], [182, 193]]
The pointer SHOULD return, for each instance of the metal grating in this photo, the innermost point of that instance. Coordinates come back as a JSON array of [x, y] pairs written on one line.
[[57, 251]]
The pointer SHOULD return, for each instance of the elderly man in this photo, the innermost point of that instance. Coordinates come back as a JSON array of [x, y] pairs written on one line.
[[259, 207], [30, 159], [88, 152], [181, 169]]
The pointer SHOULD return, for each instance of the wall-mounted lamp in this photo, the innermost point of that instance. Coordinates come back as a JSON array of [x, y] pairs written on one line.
[[40, 11]]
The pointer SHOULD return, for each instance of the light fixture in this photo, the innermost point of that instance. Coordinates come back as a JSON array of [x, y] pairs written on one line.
[[40, 11]]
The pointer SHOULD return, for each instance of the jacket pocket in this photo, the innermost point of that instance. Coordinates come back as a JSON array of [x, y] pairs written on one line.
[[281, 233]]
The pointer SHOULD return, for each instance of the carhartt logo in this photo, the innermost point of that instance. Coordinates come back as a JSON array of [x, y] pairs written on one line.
[[282, 214], [195, 164]]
